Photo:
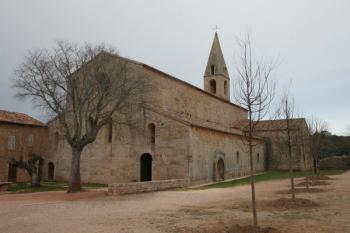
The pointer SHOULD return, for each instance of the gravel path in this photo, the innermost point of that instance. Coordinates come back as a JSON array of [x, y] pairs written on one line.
[[170, 211]]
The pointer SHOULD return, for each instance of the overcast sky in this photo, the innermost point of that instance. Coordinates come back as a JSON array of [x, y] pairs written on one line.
[[311, 40]]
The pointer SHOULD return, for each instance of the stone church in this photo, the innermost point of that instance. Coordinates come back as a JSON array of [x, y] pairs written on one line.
[[186, 133]]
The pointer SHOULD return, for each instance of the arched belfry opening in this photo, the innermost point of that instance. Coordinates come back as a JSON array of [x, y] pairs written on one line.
[[220, 170], [146, 167], [212, 84], [50, 171]]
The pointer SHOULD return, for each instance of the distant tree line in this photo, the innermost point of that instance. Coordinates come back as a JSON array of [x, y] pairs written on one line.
[[333, 145]]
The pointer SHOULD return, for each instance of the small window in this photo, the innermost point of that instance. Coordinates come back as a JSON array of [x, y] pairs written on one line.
[[152, 134], [90, 123], [225, 87], [212, 86], [11, 144], [103, 81], [110, 130], [212, 69], [237, 157], [258, 158], [30, 140]]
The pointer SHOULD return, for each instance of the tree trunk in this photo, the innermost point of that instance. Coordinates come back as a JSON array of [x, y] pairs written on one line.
[[74, 181], [252, 183], [35, 180], [291, 173]]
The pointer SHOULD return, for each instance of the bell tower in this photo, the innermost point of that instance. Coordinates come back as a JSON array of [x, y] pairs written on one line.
[[216, 78]]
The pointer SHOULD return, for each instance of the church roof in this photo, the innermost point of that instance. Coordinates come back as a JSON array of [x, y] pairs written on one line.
[[216, 60], [280, 124]]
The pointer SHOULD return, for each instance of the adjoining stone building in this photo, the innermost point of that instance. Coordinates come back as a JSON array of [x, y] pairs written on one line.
[[20, 137], [275, 134]]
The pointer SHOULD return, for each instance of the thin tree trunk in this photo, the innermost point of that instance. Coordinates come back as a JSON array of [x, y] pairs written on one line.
[[74, 181], [252, 183], [291, 176], [35, 180], [291, 169], [252, 176]]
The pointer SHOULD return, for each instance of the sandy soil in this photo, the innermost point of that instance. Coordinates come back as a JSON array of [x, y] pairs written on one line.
[[213, 210]]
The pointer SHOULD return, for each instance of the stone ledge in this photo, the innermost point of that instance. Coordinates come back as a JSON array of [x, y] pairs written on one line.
[[148, 186], [4, 186]]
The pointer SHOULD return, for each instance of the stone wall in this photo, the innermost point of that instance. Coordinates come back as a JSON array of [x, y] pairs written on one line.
[[179, 97], [208, 147], [137, 187], [119, 160]]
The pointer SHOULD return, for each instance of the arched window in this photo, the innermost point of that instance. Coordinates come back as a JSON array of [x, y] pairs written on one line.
[[110, 130], [225, 87], [237, 157], [212, 69], [258, 158], [90, 123], [103, 81], [212, 84], [152, 134]]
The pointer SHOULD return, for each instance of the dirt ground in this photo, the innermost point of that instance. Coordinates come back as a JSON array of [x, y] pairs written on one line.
[[196, 211]]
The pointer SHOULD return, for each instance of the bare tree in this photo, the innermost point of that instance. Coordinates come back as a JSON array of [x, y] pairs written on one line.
[[254, 91], [317, 128], [286, 112], [31, 166], [84, 87]]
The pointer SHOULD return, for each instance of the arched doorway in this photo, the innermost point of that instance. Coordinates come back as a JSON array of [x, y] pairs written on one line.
[[146, 167], [12, 173], [50, 171], [220, 170]]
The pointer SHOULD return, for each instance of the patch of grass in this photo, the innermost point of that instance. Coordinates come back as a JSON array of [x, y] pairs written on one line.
[[49, 186], [270, 175], [45, 187]]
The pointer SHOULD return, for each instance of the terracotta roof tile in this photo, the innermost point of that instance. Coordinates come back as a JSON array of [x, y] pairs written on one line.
[[18, 118]]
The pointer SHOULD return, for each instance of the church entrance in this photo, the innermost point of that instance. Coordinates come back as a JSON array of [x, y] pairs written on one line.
[[220, 170], [146, 167]]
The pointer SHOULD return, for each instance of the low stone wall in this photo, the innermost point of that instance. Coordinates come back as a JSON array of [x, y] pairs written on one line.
[[335, 162], [4, 186], [148, 186]]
